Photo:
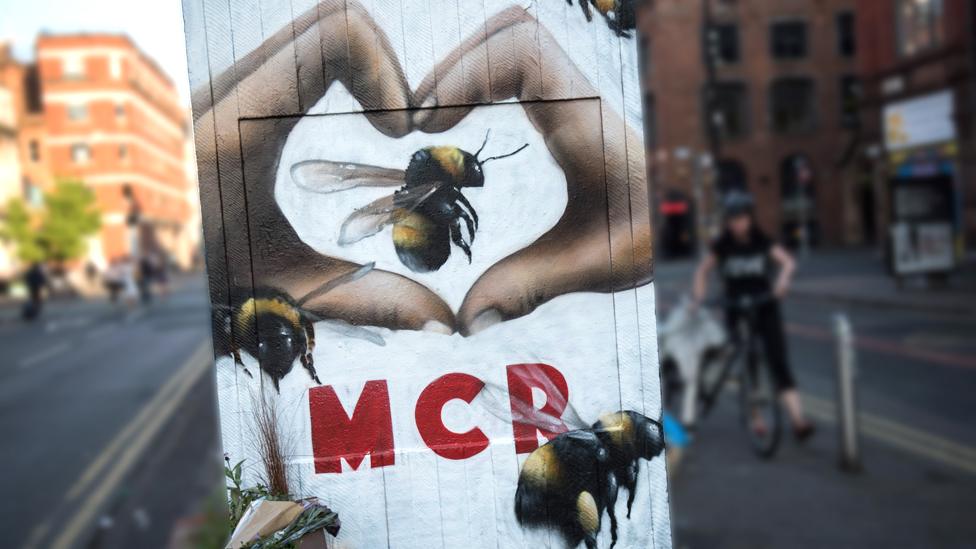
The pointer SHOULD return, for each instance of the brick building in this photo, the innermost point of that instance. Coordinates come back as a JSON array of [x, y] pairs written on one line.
[[782, 112], [918, 61], [94, 108]]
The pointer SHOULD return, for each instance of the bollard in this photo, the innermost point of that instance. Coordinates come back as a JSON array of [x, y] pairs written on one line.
[[850, 452]]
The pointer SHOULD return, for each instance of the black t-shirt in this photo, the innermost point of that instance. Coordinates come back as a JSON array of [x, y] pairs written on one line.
[[744, 266]]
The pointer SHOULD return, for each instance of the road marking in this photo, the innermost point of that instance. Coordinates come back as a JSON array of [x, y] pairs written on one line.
[[70, 322], [46, 354], [147, 411], [911, 440], [883, 346], [145, 426]]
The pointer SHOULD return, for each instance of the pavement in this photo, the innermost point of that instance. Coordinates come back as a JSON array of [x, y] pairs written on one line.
[[108, 419]]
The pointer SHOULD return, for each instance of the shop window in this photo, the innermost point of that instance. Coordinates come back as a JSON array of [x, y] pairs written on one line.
[[723, 43], [846, 34], [730, 110], [850, 97], [78, 111], [919, 25], [788, 40], [80, 154], [34, 150], [791, 105]]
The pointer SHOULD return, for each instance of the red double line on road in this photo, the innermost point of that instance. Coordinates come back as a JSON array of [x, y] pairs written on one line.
[[883, 346]]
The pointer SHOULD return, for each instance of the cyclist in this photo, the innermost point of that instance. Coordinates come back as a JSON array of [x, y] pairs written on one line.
[[744, 256]]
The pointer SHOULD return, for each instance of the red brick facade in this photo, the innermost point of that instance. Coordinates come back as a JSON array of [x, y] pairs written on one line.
[[893, 73], [673, 30], [109, 117]]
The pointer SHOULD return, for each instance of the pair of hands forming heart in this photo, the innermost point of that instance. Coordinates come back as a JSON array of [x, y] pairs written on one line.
[[601, 243]]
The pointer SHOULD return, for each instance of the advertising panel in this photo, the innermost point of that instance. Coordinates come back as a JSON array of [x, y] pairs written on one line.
[[429, 247]]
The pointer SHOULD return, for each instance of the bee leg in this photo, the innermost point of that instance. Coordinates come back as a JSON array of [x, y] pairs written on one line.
[[631, 485], [467, 221], [588, 518], [585, 6], [309, 365], [277, 388], [309, 334], [612, 491], [464, 202], [459, 240], [239, 362]]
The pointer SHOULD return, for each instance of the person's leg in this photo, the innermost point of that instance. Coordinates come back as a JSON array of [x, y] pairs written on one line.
[[770, 324]]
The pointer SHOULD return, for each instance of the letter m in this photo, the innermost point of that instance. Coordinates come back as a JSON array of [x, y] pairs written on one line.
[[336, 436]]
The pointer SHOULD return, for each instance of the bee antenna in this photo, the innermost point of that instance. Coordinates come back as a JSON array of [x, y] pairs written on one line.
[[516, 151], [483, 143]]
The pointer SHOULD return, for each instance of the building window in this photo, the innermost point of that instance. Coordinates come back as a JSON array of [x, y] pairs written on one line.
[[78, 111], [919, 25], [846, 33], [791, 105], [123, 151], [73, 68], [115, 67], [729, 109], [788, 40], [850, 97], [80, 154], [723, 43], [119, 110], [34, 150], [650, 120]]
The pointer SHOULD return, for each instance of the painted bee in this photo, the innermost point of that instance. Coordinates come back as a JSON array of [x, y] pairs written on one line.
[[620, 15], [569, 482], [284, 330], [426, 212]]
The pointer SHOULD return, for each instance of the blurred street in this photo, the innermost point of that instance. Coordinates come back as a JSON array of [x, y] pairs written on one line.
[[124, 399], [916, 377]]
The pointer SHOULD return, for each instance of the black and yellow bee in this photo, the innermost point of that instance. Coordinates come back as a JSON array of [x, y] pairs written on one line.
[[426, 212], [283, 330], [568, 483], [620, 15]]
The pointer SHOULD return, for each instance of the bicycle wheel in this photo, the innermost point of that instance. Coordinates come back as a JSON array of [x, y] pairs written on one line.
[[714, 370], [761, 414]]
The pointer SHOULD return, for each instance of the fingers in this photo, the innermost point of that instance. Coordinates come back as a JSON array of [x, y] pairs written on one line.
[[596, 245], [380, 298]]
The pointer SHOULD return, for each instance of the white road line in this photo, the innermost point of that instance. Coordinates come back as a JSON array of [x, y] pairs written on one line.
[[46, 354], [908, 439]]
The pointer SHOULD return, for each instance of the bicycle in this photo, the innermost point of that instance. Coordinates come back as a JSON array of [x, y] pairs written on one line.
[[744, 356]]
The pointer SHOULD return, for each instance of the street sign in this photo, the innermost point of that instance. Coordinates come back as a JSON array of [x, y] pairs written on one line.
[[429, 247]]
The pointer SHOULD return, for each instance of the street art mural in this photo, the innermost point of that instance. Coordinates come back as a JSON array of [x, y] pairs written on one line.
[[429, 249]]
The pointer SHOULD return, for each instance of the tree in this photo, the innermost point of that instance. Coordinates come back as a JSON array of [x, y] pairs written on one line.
[[58, 232]]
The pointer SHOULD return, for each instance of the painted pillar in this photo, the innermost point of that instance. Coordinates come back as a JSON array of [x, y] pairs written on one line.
[[429, 242]]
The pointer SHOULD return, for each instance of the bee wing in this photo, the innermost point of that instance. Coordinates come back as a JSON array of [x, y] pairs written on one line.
[[371, 218], [349, 330], [324, 176], [336, 282], [499, 402]]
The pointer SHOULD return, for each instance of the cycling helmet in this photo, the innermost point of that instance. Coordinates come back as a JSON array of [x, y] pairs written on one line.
[[737, 202]]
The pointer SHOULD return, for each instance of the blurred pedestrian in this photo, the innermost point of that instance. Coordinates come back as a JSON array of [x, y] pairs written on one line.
[[36, 280], [145, 279], [745, 257]]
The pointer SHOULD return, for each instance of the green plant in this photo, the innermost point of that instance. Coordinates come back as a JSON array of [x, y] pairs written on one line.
[[240, 498], [59, 230]]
